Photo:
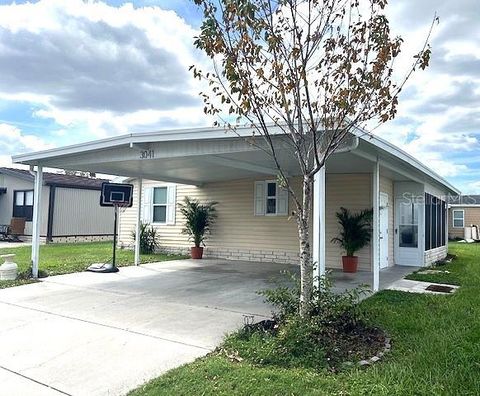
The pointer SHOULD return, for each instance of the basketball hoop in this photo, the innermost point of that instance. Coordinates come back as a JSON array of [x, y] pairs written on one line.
[[116, 194], [119, 196]]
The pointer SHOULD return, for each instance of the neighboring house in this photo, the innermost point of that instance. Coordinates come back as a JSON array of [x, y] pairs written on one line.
[[70, 208], [464, 211], [254, 213]]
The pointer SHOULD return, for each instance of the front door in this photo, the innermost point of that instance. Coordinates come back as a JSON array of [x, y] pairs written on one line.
[[407, 246], [384, 237]]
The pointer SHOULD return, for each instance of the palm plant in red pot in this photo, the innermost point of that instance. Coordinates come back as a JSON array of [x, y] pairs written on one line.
[[198, 220], [355, 233]]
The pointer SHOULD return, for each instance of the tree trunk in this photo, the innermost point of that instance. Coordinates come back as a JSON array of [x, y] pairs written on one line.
[[306, 263]]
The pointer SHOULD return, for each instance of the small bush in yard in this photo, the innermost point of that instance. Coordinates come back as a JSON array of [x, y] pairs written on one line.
[[148, 238], [334, 331]]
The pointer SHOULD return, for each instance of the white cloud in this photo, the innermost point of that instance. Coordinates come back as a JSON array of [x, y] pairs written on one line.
[[438, 117], [13, 140], [108, 69]]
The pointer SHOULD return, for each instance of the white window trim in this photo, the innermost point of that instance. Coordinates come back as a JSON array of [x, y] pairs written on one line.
[[463, 218], [278, 197], [152, 205]]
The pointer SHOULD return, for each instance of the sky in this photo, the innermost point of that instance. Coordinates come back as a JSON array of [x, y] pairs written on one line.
[[73, 71]]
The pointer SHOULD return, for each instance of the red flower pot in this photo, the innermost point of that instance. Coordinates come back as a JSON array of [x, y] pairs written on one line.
[[196, 252], [350, 263]]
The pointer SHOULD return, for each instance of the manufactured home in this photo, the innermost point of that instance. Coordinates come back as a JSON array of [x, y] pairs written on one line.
[[69, 212], [464, 212], [254, 213]]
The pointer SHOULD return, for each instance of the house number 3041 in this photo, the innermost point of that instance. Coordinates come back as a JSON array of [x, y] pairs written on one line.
[[147, 154]]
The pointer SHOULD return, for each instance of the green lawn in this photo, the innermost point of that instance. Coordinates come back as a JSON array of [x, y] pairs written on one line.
[[64, 258], [435, 341]]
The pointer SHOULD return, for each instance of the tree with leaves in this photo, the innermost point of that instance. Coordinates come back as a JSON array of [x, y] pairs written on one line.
[[304, 74]]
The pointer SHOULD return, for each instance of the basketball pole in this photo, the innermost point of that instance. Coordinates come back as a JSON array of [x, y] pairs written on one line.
[[115, 235]]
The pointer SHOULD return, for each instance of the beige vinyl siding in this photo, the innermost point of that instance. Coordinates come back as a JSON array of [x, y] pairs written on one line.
[[471, 216], [386, 186], [354, 192], [78, 212], [6, 203], [237, 228]]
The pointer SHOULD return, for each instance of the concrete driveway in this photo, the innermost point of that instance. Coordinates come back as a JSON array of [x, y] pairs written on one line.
[[104, 334]]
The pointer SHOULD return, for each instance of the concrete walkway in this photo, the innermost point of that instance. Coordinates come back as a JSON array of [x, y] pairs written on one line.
[[343, 281], [104, 334], [6, 244]]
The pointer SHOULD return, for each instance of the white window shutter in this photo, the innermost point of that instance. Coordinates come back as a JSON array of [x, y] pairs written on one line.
[[282, 201], [147, 215], [171, 204], [259, 198]]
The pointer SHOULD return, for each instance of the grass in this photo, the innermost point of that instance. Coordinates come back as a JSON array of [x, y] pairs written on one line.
[[451, 272], [435, 351], [64, 258]]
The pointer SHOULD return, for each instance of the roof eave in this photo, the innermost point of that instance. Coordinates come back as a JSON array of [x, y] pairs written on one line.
[[403, 155], [212, 133]]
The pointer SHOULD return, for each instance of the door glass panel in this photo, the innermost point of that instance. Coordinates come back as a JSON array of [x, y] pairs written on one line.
[[408, 227], [408, 236]]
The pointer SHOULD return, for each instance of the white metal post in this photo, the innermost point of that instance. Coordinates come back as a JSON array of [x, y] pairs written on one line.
[[376, 227], [319, 224], [37, 203], [139, 222]]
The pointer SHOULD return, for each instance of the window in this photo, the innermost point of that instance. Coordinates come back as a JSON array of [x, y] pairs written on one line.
[[458, 218], [159, 204], [435, 219], [23, 204], [270, 199]]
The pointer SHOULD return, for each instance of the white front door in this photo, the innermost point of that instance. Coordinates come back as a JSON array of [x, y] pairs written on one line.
[[407, 244], [384, 237]]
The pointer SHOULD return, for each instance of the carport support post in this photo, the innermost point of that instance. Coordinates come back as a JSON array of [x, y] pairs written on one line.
[[37, 203], [139, 222], [376, 227], [319, 225]]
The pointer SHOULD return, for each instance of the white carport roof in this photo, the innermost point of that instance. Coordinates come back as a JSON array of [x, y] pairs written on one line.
[[203, 155]]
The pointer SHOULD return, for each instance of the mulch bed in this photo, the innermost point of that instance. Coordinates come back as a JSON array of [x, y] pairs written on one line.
[[343, 347]]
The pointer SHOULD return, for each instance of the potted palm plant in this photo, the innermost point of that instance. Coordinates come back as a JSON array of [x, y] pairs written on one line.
[[198, 219], [355, 233]]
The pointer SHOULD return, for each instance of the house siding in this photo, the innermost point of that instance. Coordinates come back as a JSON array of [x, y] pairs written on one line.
[[78, 213], [236, 229], [354, 192], [238, 234], [6, 202], [78, 216], [472, 216]]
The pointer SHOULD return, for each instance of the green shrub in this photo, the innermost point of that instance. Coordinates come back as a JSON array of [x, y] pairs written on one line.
[[331, 334], [325, 305], [148, 239]]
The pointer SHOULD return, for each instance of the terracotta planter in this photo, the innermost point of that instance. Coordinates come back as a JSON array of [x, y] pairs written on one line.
[[350, 263], [196, 252]]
